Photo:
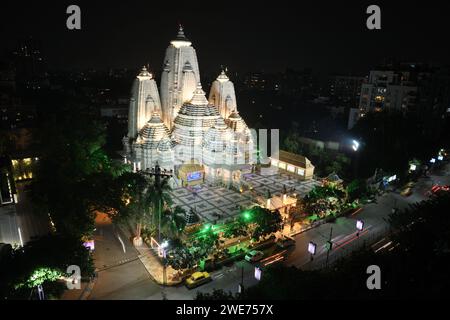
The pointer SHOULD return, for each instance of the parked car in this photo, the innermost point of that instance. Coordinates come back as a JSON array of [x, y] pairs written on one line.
[[254, 255], [286, 242], [197, 279]]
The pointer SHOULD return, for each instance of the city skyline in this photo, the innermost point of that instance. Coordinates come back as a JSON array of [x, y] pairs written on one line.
[[328, 38]]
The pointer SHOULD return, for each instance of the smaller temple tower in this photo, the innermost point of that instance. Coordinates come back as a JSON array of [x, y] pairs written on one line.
[[222, 95]]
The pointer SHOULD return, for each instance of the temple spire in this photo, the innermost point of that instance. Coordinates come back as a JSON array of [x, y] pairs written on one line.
[[181, 36]]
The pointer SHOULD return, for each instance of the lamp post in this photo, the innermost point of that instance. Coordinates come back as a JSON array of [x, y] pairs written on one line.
[[355, 147], [329, 246]]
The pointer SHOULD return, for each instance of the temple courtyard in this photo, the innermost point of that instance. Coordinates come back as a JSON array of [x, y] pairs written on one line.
[[217, 204]]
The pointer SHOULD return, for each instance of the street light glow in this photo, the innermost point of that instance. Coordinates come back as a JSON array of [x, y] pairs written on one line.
[[355, 145], [165, 244]]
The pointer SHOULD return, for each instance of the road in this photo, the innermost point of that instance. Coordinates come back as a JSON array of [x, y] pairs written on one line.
[[121, 274], [131, 281]]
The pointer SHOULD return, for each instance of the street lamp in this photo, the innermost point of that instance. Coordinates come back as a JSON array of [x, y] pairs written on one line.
[[355, 145]]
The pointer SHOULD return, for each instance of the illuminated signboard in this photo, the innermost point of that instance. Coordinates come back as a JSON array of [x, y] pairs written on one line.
[[89, 244], [192, 176], [359, 225], [257, 273], [312, 247]]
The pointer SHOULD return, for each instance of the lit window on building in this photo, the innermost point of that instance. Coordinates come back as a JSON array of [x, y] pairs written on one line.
[[290, 168]]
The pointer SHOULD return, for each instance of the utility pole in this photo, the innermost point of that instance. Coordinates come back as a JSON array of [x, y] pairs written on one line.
[[158, 173], [330, 245]]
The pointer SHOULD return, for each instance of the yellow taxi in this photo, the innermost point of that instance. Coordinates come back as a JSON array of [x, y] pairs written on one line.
[[406, 192], [198, 278]]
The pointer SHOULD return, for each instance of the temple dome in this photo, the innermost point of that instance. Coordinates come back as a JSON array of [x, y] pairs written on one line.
[[144, 74], [154, 133], [181, 40], [217, 137], [199, 97], [223, 77], [236, 122]]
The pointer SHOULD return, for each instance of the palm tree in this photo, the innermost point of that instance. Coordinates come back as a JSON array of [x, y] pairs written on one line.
[[160, 198], [173, 222], [136, 201]]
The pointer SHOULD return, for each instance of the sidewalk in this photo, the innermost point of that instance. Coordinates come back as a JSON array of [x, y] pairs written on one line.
[[80, 294], [154, 265], [300, 228]]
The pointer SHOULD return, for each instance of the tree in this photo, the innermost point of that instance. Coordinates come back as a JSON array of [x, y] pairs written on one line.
[[135, 200], [72, 161], [357, 189], [42, 261], [322, 200], [161, 199], [390, 133], [173, 222], [261, 221], [416, 267]]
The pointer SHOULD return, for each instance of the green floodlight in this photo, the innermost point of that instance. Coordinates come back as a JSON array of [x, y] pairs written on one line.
[[206, 227], [247, 215]]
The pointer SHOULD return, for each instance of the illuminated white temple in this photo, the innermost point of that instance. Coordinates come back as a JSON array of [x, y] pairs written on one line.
[[179, 78], [180, 129]]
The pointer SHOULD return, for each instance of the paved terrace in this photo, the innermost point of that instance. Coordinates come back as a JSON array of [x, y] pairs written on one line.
[[217, 204]]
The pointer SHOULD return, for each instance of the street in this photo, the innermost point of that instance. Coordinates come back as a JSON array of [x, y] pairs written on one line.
[[122, 275]]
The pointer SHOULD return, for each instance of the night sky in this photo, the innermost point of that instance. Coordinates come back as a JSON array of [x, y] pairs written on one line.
[[246, 35]]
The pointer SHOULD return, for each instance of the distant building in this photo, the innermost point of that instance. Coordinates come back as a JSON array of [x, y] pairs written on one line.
[[353, 116], [29, 65], [14, 116], [345, 91], [391, 90], [6, 186]]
